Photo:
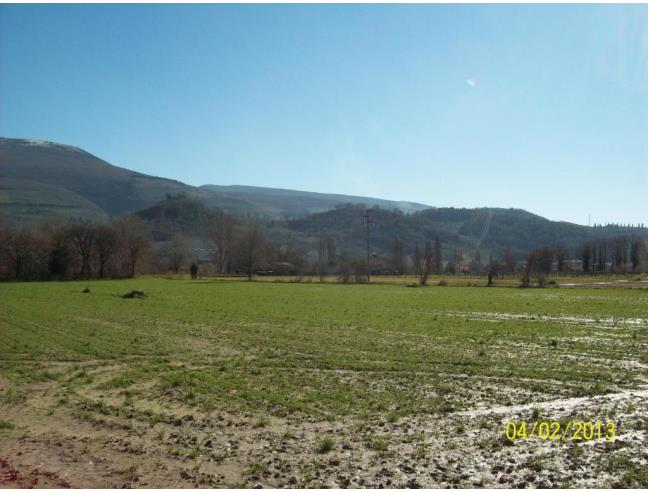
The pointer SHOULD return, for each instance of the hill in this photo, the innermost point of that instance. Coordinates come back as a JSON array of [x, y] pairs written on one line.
[[282, 203], [178, 215], [488, 230]]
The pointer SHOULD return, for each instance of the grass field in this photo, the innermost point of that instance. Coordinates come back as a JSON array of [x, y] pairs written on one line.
[[229, 383]]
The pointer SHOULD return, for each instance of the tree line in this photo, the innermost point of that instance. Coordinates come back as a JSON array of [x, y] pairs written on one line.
[[74, 250], [123, 247]]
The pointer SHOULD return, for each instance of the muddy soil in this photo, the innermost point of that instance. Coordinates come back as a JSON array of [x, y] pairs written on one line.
[[73, 445]]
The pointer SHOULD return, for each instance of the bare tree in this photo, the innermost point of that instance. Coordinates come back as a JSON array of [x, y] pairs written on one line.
[[59, 260], [82, 240], [331, 253], [18, 249], [135, 241], [602, 255], [637, 250], [106, 242], [397, 256], [417, 260], [250, 248], [427, 263], [175, 252], [221, 234], [561, 258], [619, 253], [545, 259], [321, 258], [438, 256], [538, 262], [508, 262], [586, 254], [292, 259], [530, 266], [492, 269]]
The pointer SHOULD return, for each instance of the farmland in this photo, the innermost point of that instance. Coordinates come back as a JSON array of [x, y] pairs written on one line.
[[219, 383]]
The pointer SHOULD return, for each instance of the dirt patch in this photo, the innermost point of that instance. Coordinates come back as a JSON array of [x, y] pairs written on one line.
[[26, 478]]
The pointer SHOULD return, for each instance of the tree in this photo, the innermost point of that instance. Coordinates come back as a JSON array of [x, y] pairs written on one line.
[[492, 269], [530, 266], [250, 248], [59, 258], [175, 253], [321, 258], [397, 257], [427, 263], [106, 242], [508, 262], [82, 240], [637, 250], [292, 258], [359, 270], [585, 254], [545, 259], [331, 254], [418, 267], [134, 241], [221, 234], [538, 262], [438, 253], [619, 253], [18, 249], [602, 256], [561, 258]]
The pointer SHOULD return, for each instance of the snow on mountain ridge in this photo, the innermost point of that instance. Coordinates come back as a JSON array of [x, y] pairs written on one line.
[[32, 142]]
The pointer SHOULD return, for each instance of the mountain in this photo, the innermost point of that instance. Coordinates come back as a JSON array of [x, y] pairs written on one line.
[[488, 230], [281, 203], [70, 172], [48, 180], [24, 201]]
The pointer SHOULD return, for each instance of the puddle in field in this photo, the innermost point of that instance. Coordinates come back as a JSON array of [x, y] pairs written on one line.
[[562, 404], [608, 321]]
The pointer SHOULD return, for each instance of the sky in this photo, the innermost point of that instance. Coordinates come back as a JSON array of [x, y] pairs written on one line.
[[540, 107]]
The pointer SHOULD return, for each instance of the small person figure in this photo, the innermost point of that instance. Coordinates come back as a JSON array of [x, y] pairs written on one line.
[[194, 271]]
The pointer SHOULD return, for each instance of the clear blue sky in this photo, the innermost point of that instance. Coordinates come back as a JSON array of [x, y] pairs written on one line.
[[539, 107]]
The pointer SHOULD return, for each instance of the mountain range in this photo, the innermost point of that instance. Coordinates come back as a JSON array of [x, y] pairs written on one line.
[[42, 180]]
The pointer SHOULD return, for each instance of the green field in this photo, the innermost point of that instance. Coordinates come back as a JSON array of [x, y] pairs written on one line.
[[380, 374]]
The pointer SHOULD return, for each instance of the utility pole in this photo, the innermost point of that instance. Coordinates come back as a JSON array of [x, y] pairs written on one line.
[[368, 221]]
